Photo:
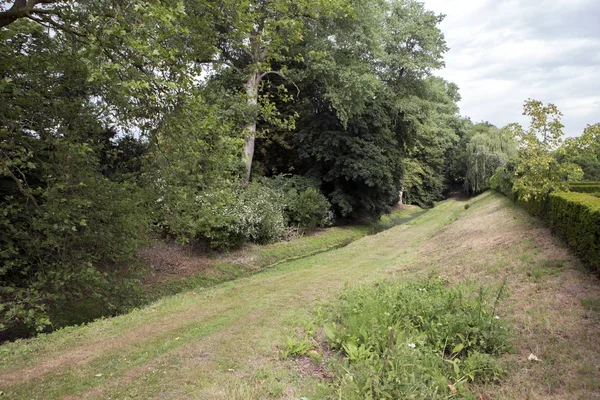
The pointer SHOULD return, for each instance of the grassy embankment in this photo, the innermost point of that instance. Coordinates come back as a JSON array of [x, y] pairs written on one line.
[[180, 268], [224, 342]]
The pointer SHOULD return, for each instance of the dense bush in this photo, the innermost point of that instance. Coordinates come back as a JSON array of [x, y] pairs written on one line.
[[304, 205], [576, 217], [418, 339], [60, 234], [259, 215], [310, 209]]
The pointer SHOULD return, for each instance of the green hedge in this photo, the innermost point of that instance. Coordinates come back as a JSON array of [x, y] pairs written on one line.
[[586, 183], [576, 217], [585, 187]]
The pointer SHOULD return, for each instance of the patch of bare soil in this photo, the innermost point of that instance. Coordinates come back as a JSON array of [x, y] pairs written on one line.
[[306, 366], [167, 260]]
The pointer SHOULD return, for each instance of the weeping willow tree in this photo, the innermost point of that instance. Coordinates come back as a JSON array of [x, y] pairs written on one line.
[[486, 151]]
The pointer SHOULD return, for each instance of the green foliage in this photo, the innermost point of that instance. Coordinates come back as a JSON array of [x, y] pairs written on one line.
[[542, 165], [576, 217], [310, 209], [295, 348], [585, 152], [305, 206], [585, 187], [69, 226], [259, 214], [485, 153], [61, 234], [414, 339], [370, 118]]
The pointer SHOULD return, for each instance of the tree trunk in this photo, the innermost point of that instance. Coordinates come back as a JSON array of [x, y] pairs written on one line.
[[250, 130]]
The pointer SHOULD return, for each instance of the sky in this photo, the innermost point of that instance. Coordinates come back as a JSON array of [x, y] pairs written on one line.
[[503, 52]]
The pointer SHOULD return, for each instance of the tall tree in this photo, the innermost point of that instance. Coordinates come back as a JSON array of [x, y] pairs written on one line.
[[254, 38]]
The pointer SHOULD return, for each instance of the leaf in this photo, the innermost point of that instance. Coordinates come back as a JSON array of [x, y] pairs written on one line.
[[330, 331], [458, 348]]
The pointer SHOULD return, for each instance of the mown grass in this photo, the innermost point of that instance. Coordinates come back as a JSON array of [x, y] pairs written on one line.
[[224, 342], [254, 258]]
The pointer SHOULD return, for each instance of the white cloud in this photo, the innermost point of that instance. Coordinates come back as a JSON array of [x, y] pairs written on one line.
[[503, 52]]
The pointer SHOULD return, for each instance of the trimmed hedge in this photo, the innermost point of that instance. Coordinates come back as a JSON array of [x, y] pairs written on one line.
[[579, 187], [576, 218], [586, 183]]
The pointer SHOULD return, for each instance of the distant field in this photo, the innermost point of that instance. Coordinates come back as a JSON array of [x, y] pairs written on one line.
[[224, 342]]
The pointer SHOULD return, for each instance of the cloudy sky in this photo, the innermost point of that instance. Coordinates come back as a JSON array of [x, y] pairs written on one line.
[[505, 51]]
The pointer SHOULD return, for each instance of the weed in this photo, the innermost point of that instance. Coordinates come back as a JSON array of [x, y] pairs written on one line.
[[420, 339], [295, 348]]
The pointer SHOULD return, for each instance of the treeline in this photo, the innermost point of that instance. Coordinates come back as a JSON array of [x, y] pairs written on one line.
[[213, 122]]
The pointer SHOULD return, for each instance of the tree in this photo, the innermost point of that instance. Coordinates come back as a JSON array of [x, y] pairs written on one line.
[[70, 79], [367, 103], [253, 38], [539, 167], [486, 151], [585, 152], [36, 10]]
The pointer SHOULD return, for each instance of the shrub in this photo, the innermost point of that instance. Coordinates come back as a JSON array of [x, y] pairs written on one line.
[[309, 209], [304, 205], [224, 218], [576, 217], [259, 215], [413, 340], [59, 237]]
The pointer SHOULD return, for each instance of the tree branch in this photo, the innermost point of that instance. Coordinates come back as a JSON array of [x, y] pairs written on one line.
[[22, 9], [281, 75]]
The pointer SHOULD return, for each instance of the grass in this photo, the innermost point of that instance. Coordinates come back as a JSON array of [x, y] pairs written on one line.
[[394, 340], [224, 342], [254, 258]]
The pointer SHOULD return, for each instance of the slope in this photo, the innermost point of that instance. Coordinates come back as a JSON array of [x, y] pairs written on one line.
[[222, 343]]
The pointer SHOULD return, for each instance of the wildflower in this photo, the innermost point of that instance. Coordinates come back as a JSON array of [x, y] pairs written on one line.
[[412, 345], [497, 317]]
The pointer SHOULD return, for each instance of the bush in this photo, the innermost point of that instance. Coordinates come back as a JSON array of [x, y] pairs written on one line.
[[304, 205], [59, 238], [309, 209], [576, 217], [413, 340], [223, 218], [259, 215]]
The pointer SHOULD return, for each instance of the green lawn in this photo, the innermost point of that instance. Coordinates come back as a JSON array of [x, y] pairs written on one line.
[[224, 342]]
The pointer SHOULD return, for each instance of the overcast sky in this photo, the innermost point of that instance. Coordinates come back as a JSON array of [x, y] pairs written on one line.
[[505, 51]]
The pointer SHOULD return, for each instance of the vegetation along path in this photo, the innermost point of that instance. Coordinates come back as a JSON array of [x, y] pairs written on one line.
[[223, 342]]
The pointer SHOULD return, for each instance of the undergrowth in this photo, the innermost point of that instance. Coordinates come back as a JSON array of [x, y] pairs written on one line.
[[421, 340]]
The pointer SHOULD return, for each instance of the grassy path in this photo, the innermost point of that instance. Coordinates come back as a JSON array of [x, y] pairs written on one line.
[[221, 343]]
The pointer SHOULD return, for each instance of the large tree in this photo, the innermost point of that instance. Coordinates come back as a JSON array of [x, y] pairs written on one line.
[[254, 38]]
